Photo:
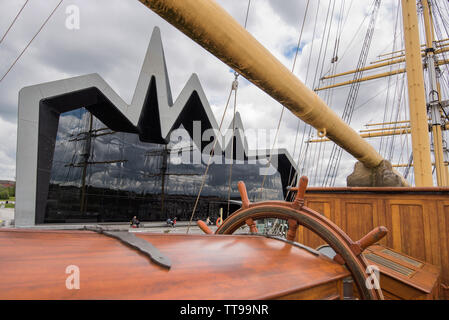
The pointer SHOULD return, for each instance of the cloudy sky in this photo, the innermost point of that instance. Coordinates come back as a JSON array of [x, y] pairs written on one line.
[[114, 34]]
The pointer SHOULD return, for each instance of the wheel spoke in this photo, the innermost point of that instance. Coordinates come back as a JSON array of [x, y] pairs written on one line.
[[292, 227], [296, 214], [252, 225]]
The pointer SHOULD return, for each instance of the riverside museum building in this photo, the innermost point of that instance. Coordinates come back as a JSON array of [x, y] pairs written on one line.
[[84, 155]]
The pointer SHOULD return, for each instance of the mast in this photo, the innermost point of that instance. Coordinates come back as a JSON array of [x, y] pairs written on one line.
[[163, 174], [213, 28], [417, 97], [86, 155], [422, 106], [434, 97]]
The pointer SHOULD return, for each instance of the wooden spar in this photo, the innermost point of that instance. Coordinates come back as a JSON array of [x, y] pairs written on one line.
[[385, 129], [434, 99], [205, 22], [413, 54], [385, 132], [374, 66], [377, 65], [372, 134], [439, 43], [441, 49], [385, 123], [404, 165], [372, 77], [417, 97]]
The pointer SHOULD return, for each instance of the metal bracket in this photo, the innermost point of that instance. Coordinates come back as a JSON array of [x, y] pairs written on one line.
[[137, 243]]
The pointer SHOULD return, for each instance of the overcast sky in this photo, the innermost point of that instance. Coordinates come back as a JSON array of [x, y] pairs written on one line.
[[114, 34]]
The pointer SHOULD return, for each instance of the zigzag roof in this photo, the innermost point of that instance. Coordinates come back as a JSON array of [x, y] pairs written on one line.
[[152, 115]]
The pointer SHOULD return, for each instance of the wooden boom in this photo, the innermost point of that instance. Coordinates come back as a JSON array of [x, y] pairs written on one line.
[[209, 25]]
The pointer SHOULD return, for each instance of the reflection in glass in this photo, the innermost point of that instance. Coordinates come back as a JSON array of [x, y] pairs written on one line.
[[99, 175]]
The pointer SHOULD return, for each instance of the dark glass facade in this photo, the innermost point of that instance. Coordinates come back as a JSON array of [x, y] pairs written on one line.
[[98, 175]]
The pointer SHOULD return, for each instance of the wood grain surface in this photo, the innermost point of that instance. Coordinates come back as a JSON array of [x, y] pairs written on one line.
[[33, 266], [417, 219]]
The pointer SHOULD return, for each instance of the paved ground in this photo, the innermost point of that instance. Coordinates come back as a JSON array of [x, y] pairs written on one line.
[[180, 228], [7, 215]]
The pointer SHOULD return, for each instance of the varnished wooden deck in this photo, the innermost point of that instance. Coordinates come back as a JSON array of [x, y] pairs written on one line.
[[33, 266]]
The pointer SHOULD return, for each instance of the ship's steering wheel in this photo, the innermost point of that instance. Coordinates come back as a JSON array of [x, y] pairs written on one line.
[[348, 251]]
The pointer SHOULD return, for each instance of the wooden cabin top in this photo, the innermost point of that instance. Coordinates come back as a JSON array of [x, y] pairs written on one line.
[[381, 190], [33, 266], [405, 269]]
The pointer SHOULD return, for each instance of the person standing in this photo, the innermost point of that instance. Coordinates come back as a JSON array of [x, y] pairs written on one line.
[[135, 222]]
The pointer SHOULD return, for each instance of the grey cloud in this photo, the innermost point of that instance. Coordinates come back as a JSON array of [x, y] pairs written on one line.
[[113, 39], [291, 11]]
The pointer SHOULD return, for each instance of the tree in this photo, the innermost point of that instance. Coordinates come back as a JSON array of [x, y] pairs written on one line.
[[12, 191], [4, 195]]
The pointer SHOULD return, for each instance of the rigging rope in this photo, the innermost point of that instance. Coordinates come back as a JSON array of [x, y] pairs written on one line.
[[234, 87], [438, 29], [247, 13], [307, 75], [209, 160], [334, 59], [397, 22], [396, 118], [293, 68], [29, 43], [317, 154], [336, 154], [300, 35], [12, 23], [283, 107], [328, 96]]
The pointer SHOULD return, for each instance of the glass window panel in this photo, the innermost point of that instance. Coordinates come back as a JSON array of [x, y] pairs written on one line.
[[105, 176]]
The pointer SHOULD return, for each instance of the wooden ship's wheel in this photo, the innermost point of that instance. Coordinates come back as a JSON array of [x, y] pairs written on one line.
[[349, 252]]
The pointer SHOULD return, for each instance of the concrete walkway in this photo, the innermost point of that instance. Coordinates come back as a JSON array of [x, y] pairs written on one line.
[[6, 216]]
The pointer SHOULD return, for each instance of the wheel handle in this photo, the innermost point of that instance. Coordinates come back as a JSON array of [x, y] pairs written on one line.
[[348, 251]]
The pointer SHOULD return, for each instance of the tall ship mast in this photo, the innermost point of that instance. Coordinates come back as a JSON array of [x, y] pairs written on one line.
[[426, 103], [427, 109], [272, 235]]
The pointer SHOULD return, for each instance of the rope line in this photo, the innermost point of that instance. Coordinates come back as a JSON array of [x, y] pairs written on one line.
[[29, 43], [234, 86], [209, 162], [283, 107], [12, 23]]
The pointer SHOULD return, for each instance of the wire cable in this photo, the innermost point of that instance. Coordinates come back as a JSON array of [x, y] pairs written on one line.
[[12, 23], [283, 107], [29, 43]]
